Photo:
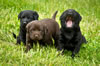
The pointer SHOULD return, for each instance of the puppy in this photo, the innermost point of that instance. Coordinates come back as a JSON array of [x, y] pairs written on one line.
[[42, 31], [71, 37], [25, 17]]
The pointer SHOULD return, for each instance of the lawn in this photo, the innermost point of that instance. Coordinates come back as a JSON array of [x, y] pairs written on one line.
[[13, 55]]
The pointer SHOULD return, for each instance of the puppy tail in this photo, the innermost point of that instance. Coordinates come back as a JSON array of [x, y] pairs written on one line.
[[14, 35], [54, 15]]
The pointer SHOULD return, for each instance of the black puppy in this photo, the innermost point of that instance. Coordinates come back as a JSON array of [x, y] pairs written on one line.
[[25, 17], [71, 37]]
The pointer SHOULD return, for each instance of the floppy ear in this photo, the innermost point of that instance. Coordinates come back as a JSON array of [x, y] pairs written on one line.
[[79, 17], [63, 15], [19, 16], [35, 15]]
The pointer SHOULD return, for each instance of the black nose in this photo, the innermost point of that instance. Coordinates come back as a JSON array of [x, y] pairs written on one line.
[[25, 20]]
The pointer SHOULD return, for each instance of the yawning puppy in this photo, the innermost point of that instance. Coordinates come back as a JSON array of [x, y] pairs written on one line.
[[69, 23], [71, 37], [42, 31], [25, 17]]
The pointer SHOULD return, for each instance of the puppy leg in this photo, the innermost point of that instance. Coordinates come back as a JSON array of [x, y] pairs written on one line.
[[56, 39], [77, 49], [50, 42], [28, 47], [18, 40], [23, 38], [60, 47], [42, 43], [28, 43], [56, 42]]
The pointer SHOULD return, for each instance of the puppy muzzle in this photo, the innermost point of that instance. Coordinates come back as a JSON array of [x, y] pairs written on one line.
[[25, 22]]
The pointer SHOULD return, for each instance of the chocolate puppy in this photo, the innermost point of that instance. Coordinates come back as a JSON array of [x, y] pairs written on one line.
[[42, 31], [71, 37], [25, 17]]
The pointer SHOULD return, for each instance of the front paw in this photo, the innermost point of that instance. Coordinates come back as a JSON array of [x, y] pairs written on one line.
[[73, 55]]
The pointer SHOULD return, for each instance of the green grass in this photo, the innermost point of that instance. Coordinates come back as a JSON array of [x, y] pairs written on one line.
[[13, 55]]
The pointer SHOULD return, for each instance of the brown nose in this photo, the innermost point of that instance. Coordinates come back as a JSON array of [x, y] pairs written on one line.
[[36, 36]]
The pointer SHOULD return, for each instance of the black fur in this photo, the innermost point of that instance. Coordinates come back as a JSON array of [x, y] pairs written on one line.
[[25, 17], [71, 38]]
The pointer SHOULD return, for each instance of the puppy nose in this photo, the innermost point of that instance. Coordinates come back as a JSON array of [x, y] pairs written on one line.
[[36, 36], [24, 22]]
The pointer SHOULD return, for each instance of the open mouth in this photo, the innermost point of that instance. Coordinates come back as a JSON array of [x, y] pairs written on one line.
[[69, 22]]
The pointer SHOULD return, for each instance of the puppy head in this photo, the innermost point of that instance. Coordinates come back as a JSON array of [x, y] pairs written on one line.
[[27, 16], [70, 18], [35, 30]]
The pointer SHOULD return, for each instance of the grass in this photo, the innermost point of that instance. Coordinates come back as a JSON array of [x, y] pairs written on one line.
[[13, 55]]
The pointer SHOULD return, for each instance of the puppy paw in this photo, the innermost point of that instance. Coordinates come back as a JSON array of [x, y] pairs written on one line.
[[72, 56]]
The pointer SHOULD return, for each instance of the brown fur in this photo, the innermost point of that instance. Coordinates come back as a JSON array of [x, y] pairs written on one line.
[[42, 31]]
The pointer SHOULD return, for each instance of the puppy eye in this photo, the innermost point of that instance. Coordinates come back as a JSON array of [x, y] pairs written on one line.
[[23, 16], [33, 30]]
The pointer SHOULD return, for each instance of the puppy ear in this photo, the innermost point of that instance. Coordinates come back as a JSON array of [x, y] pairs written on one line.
[[79, 17], [35, 15], [19, 16], [45, 29], [63, 16]]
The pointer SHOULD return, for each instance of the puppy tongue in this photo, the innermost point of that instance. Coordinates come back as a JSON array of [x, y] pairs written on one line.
[[69, 23]]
